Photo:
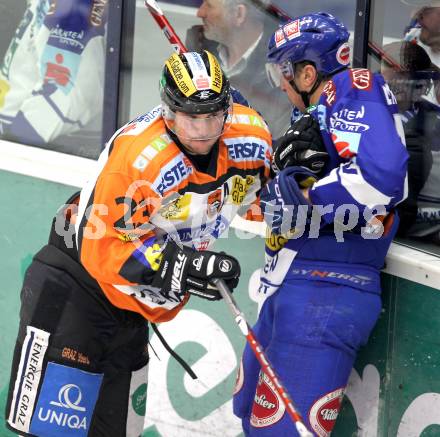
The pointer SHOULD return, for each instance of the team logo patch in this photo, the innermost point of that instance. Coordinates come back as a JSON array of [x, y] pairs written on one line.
[[202, 244], [177, 210], [66, 402], [268, 407], [330, 92], [324, 412], [214, 202], [225, 266], [292, 30], [279, 38], [361, 79], [346, 143], [198, 262], [247, 149], [188, 165], [349, 121], [172, 174], [343, 54], [153, 255], [203, 95], [60, 67], [29, 373], [240, 187]]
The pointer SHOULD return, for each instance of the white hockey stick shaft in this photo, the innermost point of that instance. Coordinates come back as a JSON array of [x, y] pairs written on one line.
[[261, 357]]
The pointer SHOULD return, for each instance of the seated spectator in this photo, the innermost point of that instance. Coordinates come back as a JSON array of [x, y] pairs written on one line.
[[412, 86], [239, 32], [424, 28]]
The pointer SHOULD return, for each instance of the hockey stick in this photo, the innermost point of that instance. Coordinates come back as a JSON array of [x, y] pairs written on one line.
[[175, 41], [165, 26], [261, 357], [277, 13]]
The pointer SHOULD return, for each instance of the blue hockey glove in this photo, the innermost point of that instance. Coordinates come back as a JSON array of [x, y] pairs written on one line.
[[282, 202]]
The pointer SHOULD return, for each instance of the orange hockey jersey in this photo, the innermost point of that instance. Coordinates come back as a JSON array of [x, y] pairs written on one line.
[[146, 189]]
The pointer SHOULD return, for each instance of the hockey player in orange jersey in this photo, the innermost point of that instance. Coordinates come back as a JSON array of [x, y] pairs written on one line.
[[168, 185]]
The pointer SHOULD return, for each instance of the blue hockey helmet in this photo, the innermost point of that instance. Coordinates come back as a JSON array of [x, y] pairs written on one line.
[[319, 38]]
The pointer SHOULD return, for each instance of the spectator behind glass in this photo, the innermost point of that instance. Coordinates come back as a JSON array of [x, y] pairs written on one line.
[[412, 86], [238, 33], [424, 28]]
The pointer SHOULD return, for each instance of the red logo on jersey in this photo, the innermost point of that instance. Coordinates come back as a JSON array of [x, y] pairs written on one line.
[[361, 79], [330, 91], [324, 412], [202, 245], [268, 407], [214, 202], [343, 54], [57, 72], [343, 147]]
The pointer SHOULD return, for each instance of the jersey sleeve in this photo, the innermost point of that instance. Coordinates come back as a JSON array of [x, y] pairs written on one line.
[[64, 67], [116, 241], [251, 209], [372, 174]]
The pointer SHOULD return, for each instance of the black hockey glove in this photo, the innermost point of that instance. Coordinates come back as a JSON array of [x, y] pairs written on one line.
[[301, 146], [187, 270]]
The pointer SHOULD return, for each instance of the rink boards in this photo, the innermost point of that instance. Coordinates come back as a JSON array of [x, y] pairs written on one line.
[[394, 389]]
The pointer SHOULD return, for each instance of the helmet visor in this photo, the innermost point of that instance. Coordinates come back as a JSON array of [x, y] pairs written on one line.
[[276, 71], [197, 127]]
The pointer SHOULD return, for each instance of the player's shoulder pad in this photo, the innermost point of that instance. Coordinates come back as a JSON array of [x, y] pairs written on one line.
[[142, 122], [149, 147], [244, 116], [354, 83]]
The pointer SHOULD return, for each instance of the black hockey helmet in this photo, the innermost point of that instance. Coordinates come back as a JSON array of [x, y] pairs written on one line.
[[194, 83]]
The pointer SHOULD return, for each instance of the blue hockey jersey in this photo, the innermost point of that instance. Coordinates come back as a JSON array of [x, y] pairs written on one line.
[[365, 175], [364, 137]]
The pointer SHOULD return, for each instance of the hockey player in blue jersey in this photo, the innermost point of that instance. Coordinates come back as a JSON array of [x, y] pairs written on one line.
[[341, 170], [54, 66]]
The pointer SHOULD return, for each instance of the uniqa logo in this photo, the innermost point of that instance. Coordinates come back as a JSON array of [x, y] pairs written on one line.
[[64, 396], [69, 397]]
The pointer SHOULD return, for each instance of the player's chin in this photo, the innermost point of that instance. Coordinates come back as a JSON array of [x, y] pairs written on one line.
[[199, 147], [208, 32]]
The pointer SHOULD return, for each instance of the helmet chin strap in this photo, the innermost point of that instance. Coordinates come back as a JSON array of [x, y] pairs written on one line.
[[305, 96]]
